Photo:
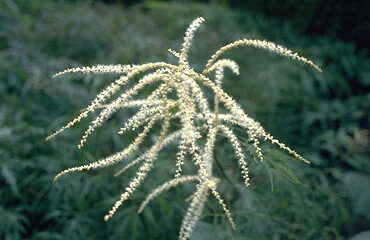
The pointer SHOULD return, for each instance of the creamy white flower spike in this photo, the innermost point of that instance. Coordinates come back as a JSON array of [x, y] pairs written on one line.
[[179, 104]]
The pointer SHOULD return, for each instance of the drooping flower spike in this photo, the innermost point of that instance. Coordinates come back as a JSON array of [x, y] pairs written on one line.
[[178, 98]]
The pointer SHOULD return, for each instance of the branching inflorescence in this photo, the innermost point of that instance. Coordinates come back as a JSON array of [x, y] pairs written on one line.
[[179, 98]]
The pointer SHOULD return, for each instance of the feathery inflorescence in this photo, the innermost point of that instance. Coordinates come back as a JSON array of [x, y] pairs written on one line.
[[178, 98]]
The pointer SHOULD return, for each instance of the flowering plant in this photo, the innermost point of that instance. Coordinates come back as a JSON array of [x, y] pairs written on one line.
[[179, 98]]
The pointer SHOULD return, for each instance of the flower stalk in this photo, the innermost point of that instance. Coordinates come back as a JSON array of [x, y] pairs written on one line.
[[179, 98]]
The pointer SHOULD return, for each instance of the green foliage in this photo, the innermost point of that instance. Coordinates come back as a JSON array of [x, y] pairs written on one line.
[[325, 116]]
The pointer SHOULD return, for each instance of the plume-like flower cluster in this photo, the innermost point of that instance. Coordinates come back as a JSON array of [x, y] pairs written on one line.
[[178, 98]]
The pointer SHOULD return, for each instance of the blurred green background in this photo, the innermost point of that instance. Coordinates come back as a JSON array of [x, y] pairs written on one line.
[[324, 116]]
